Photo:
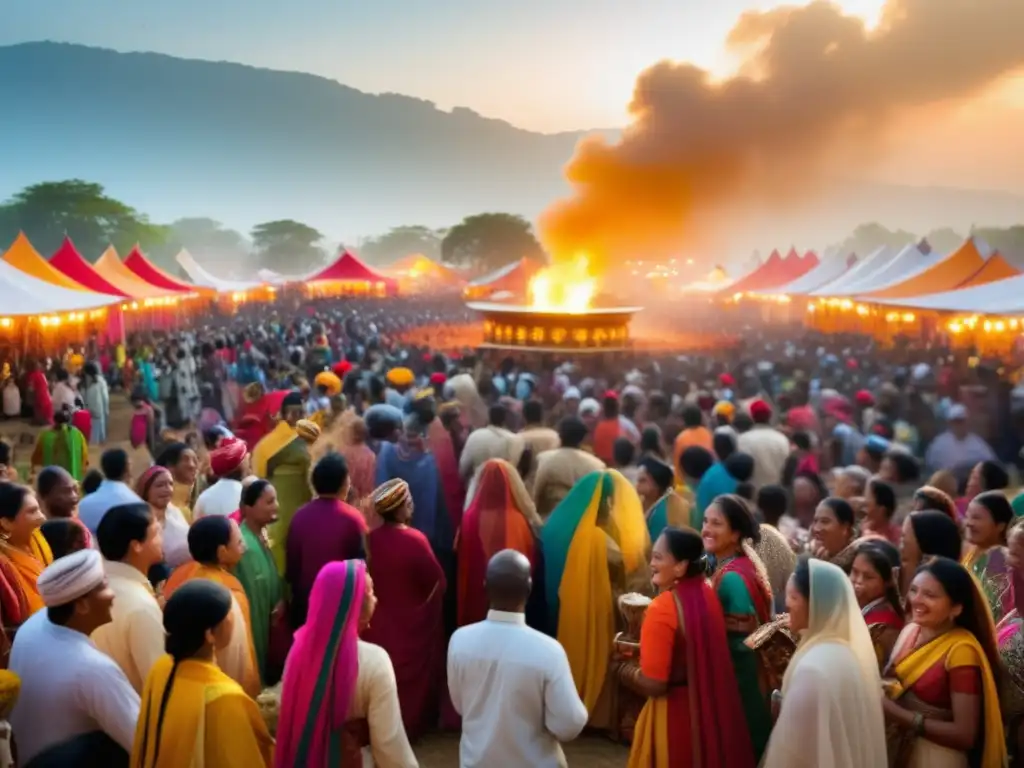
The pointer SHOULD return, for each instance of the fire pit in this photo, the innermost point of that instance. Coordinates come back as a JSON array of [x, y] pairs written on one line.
[[595, 329]]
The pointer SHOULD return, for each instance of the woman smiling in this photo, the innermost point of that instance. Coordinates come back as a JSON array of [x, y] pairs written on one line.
[[985, 526], [873, 576]]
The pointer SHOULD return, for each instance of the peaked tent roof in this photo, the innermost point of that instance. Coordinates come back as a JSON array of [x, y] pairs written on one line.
[[1001, 297], [204, 279], [761, 278], [21, 255], [996, 268], [347, 268], [951, 272], [25, 295], [152, 274], [860, 271], [70, 263], [113, 270], [417, 265], [908, 262], [828, 269]]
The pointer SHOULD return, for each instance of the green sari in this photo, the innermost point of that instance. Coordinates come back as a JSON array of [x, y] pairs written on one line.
[[258, 574], [63, 447]]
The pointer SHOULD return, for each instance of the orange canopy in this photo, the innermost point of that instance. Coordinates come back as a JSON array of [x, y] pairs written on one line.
[[996, 268], [23, 256], [950, 273], [146, 270], [111, 269]]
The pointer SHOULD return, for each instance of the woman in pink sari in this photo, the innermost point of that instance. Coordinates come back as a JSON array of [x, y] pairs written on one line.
[[410, 623], [338, 699]]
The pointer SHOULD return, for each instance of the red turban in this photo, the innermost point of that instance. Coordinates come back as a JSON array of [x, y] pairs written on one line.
[[228, 457], [342, 368], [864, 399], [726, 380], [760, 412], [438, 379]]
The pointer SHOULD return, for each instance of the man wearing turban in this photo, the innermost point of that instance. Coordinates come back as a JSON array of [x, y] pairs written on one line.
[[229, 465], [282, 457]]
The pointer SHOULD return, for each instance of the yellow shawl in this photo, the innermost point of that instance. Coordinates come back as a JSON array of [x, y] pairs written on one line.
[[942, 650], [279, 438], [28, 567], [208, 721]]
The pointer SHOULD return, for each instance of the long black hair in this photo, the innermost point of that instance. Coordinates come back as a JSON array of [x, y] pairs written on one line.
[[936, 533], [738, 514], [196, 607]]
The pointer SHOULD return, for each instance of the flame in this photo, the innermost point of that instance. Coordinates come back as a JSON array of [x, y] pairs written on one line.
[[565, 287]]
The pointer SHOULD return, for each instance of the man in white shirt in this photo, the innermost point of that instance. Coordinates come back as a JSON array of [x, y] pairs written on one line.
[[512, 684], [113, 491], [228, 464], [131, 541], [69, 688]]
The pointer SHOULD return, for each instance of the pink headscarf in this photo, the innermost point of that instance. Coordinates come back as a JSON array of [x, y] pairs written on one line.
[[315, 697]]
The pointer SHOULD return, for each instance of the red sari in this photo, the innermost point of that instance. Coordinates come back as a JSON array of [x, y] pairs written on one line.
[[683, 642], [42, 403], [494, 521], [409, 622], [440, 442]]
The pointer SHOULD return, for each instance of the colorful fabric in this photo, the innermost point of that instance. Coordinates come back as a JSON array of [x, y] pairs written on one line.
[[27, 567], [208, 720], [419, 470], [443, 448], [322, 670], [257, 573], [500, 516], [957, 648], [670, 510], [716, 482], [993, 572], [693, 725], [64, 447], [282, 457], [602, 513]]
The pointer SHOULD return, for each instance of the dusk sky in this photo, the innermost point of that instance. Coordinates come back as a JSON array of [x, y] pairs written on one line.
[[546, 65]]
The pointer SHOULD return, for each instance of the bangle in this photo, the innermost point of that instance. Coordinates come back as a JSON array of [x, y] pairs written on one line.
[[918, 724]]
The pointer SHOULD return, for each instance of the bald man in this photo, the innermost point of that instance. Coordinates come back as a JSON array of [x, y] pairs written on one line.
[[538, 707]]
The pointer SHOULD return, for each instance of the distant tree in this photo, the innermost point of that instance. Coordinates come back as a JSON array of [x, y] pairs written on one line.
[[944, 240], [400, 242], [287, 247], [870, 237], [490, 240], [49, 211], [1009, 242]]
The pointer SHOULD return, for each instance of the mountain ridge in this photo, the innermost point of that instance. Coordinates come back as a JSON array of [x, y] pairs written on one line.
[[180, 137]]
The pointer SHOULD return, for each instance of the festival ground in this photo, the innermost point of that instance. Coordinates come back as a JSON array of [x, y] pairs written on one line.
[[440, 750]]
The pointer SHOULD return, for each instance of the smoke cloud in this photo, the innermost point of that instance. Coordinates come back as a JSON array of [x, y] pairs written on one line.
[[814, 85]]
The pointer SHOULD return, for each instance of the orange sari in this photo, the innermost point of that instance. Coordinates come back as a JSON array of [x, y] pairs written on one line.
[[246, 674], [27, 567]]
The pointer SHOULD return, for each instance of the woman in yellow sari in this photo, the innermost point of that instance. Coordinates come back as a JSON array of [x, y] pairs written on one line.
[[217, 546], [22, 544], [595, 545], [283, 458], [945, 697], [192, 713]]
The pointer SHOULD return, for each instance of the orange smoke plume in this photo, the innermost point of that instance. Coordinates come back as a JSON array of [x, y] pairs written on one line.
[[812, 80]]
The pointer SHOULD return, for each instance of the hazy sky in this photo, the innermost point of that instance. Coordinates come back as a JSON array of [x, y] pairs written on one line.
[[542, 64]]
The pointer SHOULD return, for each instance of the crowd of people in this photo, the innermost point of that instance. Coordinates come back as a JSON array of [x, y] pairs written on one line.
[[329, 539]]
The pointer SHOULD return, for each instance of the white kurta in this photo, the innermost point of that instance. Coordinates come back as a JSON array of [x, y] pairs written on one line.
[[222, 498], [68, 688], [376, 699]]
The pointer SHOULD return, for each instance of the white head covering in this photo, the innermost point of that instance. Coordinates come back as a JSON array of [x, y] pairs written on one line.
[[832, 702], [589, 407], [572, 393], [71, 577]]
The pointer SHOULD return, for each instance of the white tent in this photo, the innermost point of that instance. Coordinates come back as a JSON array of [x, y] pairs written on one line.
[[202, 278], [23, 294], [832, 265], [848, 283], [906, 264], [1003, 297]]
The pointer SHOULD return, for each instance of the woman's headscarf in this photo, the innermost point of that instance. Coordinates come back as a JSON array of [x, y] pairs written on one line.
[[323, 666], [463, 389], [145, 481], [835, 617]]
